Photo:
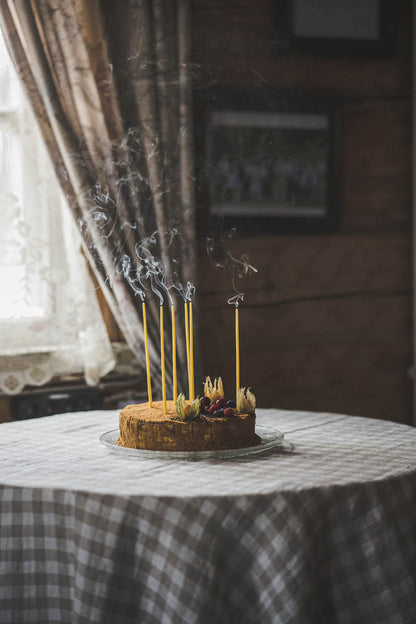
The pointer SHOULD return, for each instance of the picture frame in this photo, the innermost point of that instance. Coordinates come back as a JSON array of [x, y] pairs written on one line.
[[267, 161], [336, 28]]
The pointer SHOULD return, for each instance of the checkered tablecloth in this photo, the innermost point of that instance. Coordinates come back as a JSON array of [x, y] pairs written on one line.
[[321, 531]]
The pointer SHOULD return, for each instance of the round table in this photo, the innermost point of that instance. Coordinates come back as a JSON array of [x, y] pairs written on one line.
[[321, 530]]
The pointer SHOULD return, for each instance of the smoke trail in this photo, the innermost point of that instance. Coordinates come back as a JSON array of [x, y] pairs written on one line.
[[124, 268], [221, 256], [186, 292], [153, 269]]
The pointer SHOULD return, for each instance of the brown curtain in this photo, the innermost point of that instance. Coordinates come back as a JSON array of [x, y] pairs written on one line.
[[109, 83]]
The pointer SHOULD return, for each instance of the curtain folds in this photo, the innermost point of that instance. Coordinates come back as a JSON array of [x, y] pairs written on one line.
[[110, 85]]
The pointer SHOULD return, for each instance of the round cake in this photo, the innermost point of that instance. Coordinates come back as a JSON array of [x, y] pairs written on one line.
[[144, 427]]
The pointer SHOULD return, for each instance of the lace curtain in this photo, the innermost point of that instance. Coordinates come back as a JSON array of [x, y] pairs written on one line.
[[50, 320]]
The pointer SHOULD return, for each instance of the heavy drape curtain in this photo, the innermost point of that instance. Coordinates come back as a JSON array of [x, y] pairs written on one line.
[[109, 83]]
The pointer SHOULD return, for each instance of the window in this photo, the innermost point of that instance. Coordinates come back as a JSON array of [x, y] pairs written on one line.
[[50, 321], [25, 180]]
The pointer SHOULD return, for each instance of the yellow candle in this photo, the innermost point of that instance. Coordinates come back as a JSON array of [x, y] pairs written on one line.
[[162, 361], [146, 346], [237, 352], [191, 350], [174, 379], [187, 347]]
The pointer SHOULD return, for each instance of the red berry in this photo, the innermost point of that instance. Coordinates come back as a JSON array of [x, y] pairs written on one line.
[[229, 411], [213, 409], [221, 402]]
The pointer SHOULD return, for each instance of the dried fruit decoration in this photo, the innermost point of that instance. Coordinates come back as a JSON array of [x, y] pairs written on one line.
[[187, 412], [246, 401], [214, 390]]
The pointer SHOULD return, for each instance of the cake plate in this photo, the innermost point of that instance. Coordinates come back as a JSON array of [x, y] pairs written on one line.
[[270, 439]]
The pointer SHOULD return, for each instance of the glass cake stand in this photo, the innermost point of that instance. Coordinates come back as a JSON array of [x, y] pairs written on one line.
[[270, 439]]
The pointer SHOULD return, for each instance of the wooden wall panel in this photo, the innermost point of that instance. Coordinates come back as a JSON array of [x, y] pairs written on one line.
[[295, 268], [309, 357], [233, 44], [326, 323], [375, 165], [4, 409]]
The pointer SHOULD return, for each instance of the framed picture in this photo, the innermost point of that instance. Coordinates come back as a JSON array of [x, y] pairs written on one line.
[[267, 161], [338, 28]]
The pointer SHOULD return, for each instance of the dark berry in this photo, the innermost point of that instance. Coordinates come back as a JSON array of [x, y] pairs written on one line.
[[219, 413], [231, 403], [205, 402], [220, 403], [228, 411]]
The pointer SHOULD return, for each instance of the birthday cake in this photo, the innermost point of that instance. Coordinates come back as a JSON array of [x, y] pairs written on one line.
[[207, 423]]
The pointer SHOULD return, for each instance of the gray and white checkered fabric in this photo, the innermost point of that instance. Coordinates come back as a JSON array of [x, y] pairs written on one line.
[[322, 531]]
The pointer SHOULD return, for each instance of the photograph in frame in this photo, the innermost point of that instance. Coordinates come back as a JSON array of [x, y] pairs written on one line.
[[268, 164], [266, 160]]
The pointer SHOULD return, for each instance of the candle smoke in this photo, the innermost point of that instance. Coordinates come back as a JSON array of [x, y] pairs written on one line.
[[220, 255], [153, 271], [125, 269], [187, 292]]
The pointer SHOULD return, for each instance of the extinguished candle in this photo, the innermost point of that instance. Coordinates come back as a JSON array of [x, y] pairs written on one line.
[[174, 375], [146, 346], [188, 361], [191, 350], [162, 361], [237, 352]]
